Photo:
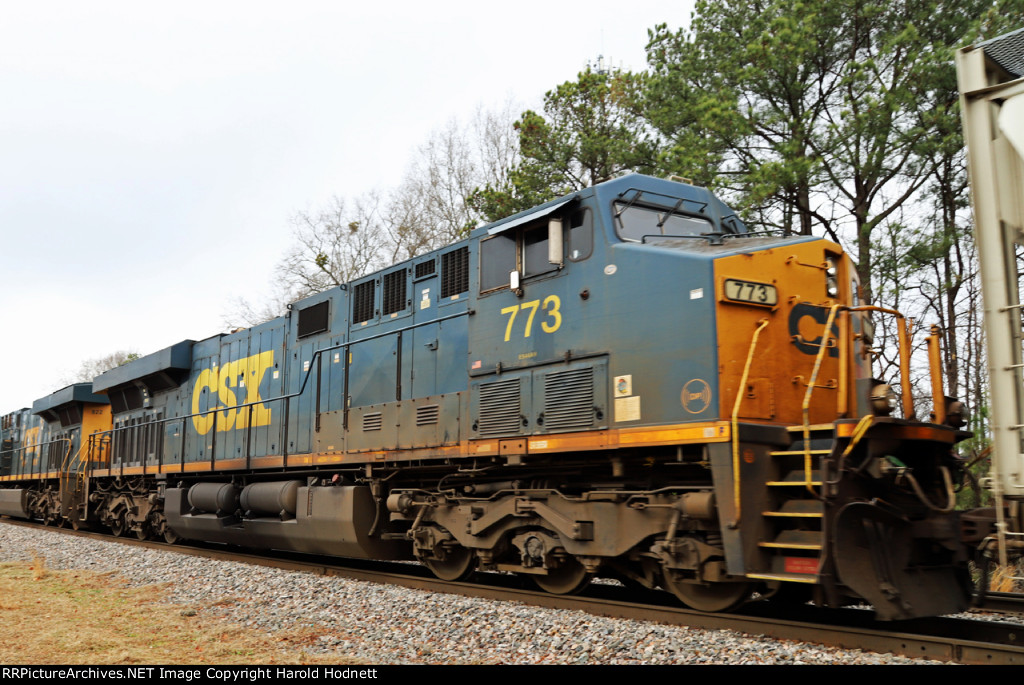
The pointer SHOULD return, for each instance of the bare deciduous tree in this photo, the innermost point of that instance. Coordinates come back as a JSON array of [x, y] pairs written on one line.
[[347, 239], [90, 368]]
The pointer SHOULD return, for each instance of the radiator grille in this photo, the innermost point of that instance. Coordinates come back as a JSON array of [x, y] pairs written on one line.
[[394, 292], [569, 399], [500, 408], [424, 269], [454, 272], [362, 302]]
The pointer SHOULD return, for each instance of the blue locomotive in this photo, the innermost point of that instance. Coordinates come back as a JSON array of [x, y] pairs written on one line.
[[622, 382]]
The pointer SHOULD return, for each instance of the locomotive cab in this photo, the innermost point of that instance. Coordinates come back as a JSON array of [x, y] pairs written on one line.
[[737, 369]]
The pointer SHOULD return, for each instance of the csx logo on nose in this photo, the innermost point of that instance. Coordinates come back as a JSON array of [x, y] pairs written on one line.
[[808, 316]]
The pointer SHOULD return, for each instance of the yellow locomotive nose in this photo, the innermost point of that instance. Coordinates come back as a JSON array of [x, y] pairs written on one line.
[[792, 287]]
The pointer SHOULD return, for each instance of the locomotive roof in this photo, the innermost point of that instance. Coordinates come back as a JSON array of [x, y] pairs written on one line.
[[739, 243], [79, 392], [176, 357], [652, 189]]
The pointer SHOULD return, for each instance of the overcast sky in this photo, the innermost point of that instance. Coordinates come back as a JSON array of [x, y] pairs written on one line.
[[151, 154]]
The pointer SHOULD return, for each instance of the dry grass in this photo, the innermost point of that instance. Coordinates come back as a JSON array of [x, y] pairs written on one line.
[[38, 566], [1002, 579], [82, 617]]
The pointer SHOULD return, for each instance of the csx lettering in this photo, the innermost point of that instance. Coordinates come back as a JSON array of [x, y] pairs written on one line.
[[31, 452], [551, 322], [223, 381]]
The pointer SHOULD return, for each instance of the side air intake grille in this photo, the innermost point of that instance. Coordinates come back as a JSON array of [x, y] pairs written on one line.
[[569, 399], [372, 421], [499, 408], [314, 319], [427, 415]]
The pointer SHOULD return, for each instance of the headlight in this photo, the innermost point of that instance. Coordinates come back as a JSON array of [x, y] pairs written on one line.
[[883, 399], [831, 280], [956, 414]]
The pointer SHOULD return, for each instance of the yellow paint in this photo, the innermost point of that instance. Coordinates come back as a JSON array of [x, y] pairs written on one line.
[[533, 305], [510, 310], [229, 381], [195, 466], [704, 432], [270, 462], [30, 453], [205, 422], [776, 384], [227, 464], [96, 418], [552, 308], [570, 442], [554, 314], [717, 431]]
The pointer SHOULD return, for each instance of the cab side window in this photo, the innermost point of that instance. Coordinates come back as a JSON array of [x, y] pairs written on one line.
[[581, 235], [497, 260], [535, 251], [525, 249]]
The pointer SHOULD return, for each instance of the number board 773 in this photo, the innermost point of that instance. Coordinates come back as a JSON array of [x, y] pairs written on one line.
[[750, 292]]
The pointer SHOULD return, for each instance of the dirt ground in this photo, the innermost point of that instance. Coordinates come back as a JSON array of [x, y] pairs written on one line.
[[86, 618]]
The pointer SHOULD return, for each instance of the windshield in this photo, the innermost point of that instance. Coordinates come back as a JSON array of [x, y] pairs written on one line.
[[634, 222]]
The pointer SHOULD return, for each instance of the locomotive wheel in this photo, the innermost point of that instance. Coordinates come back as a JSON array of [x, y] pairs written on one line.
[[711, 597], [159, 528], [117, 527], [142, 533], [569, 578], [459, 562]]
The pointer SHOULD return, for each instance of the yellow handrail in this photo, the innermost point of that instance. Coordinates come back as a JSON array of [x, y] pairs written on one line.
[[935, 367], [805, 407], [735, 420], [866, 421]]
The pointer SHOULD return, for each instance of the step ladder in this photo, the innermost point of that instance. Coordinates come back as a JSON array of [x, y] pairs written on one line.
[[793, 530]]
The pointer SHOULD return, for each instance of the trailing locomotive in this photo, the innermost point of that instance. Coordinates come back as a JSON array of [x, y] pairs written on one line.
[[623, 382]]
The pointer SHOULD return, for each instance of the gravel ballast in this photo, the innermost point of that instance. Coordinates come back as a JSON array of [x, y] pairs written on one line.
[[383, 624]]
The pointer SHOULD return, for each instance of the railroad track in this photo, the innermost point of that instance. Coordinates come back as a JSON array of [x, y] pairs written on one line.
[[1003, 602], [957, 640]]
